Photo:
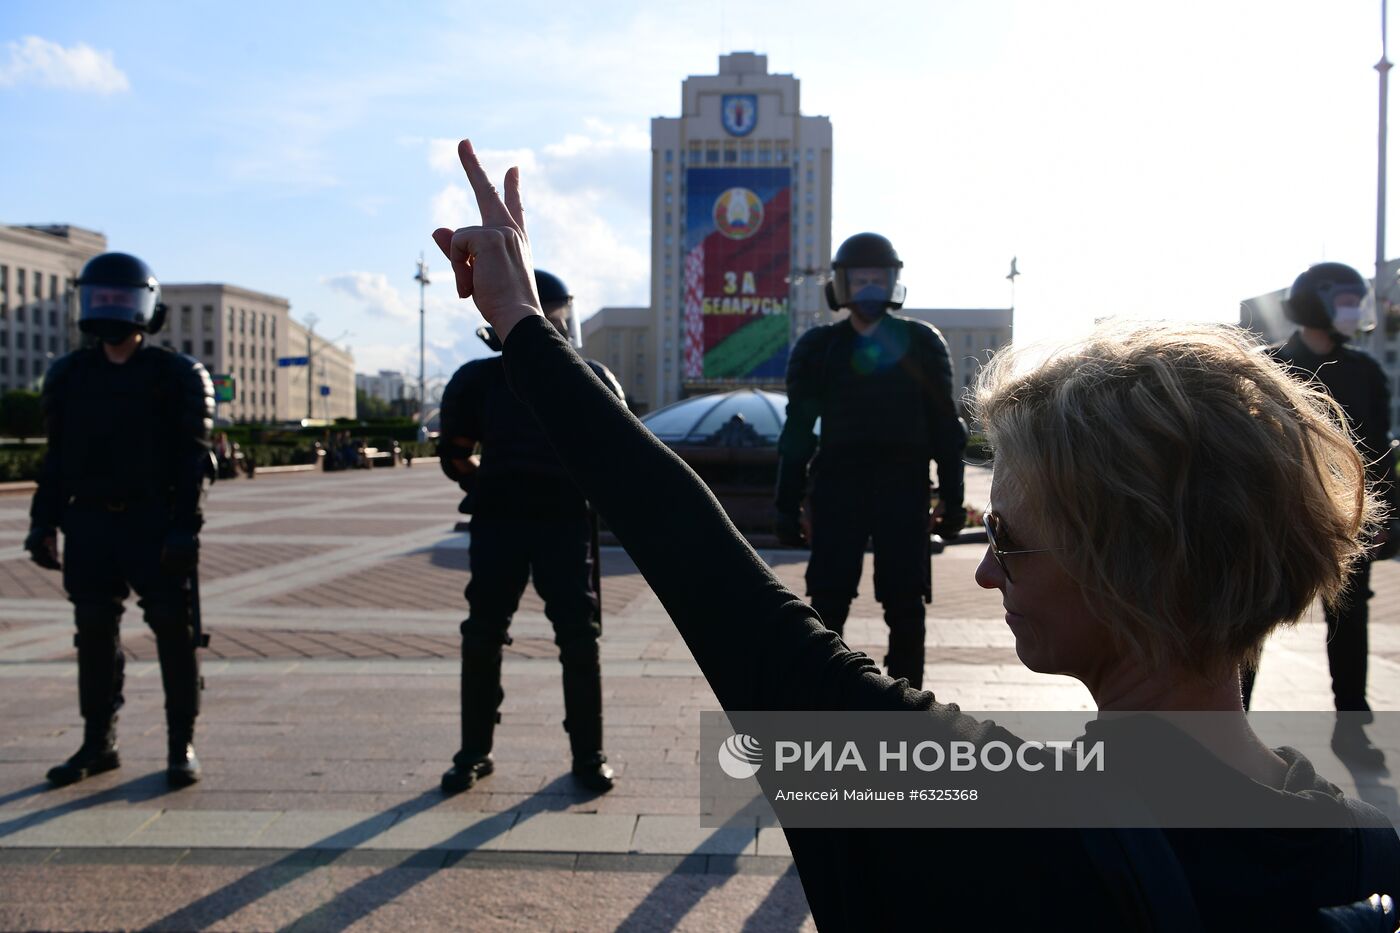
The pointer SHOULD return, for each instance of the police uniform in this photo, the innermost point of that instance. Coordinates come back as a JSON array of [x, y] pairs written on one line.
[[1360, 386], [1333, 303], [124, 478], [529, 521], [886, 407]]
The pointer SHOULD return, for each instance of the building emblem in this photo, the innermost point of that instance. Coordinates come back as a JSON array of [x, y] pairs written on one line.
[[739, 113], [738, 213]]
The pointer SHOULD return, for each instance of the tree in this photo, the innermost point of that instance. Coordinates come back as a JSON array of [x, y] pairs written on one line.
[[369, 407], [20, 415]]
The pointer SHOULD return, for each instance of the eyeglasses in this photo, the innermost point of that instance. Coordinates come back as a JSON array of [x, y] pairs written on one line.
[[992, 522]]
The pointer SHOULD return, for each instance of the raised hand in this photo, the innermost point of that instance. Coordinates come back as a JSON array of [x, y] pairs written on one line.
[[492, 262]]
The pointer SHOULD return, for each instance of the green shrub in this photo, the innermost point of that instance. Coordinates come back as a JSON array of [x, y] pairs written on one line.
[[20, 463]]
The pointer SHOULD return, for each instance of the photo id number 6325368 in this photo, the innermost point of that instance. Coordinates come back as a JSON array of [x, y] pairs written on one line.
[[942, 794]]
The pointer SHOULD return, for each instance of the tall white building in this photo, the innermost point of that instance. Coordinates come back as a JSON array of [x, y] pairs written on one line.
[[38, 301], [331, 393], [388, 386], [740, 233]]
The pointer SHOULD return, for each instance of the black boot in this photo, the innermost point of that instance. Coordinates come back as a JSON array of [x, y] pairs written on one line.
[[583, 712], [906, 657], [833, 610], [1350, 743], [181, 764], [481, 704], [100, 675], [466, 770], [97, 754], [179, 674]]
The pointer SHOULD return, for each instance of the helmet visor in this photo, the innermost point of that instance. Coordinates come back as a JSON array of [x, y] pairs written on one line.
[[869, 289], [116, 303], [1352, 309], [565, 320]]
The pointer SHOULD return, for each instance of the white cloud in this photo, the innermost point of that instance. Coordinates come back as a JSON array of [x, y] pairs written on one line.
[[586, 208], [374, 293], [33, 60]]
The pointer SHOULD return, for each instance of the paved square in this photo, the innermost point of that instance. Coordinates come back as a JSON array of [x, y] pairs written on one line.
[[331, 710]]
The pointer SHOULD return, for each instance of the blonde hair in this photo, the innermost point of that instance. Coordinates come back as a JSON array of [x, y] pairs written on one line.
[[1201, 495]]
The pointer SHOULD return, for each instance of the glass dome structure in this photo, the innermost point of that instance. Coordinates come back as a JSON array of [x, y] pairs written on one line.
[[693, 420]]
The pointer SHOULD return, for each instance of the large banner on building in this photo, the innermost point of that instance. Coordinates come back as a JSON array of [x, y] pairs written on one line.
[[738, 246]]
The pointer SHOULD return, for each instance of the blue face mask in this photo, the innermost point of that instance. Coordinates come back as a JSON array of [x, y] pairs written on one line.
[[870, 302]]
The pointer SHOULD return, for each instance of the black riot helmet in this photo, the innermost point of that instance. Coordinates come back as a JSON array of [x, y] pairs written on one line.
[[558, 305], [118, 294], [865, 276], [1333, 297]]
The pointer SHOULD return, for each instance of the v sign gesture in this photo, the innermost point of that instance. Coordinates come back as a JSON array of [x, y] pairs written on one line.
[[492, 262]]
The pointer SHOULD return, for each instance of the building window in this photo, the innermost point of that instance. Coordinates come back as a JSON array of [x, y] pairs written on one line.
[[38, 286], [4, 338], [746, 155], [19, 314], [1390, 356], [5, 365], [668, 156], [669, 179], [22, 366], [782, 151], [811, 177], [187, 347], [53, 287], [186, 317], [209, 351], [38, 342], [19, 282], [53, 318], [711, 158], [53, 344], [668, 218], [4, 278]]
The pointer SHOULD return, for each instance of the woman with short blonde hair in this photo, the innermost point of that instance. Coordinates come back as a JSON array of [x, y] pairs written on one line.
[[1126, 545]]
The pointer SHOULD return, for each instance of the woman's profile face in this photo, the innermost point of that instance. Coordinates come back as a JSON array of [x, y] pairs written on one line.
[[1056, 632]]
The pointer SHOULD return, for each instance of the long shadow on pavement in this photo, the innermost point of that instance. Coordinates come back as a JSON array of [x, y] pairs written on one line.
[[33, 790], [257, 884], [137, 790], [369, 894], [776, 912], [677, 894]]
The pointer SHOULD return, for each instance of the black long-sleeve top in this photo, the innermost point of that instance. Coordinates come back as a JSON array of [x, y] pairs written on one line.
[[761, 648], [129, 431]]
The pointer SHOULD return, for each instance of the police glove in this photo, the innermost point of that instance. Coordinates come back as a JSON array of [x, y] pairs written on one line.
[[947, 525], [42, 545], [180, 553], [788, 527]]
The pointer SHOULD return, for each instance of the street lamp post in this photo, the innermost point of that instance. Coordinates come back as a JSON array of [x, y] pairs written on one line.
[[1383, 69], [311, 320], [421, 277]]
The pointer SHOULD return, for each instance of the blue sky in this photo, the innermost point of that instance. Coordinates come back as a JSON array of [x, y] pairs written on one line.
[[1162, 160]]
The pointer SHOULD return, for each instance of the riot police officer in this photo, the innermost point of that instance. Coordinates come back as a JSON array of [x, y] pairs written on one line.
[[882, 385], [124, 475], [528, 520], [1332, 303]]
